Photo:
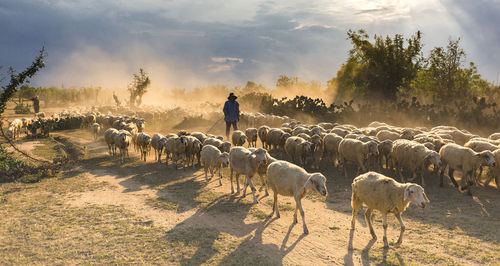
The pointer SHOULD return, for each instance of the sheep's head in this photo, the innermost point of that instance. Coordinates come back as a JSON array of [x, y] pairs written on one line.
[[318, 182], [224, 159], [283, 138], [487, 158], [306, 147], [371, 148], [10, 132], [407, 134], [243, 139], [183, 140], [260, 155], [433, 158], [415, 193], [225, 146], [220, 137]]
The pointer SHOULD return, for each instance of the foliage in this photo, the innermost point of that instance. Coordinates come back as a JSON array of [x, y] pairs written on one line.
[[138, 87], [17, 80], [8, 163], [286, 82], [379, 68], [444, 77], [22, 109], [51, 96]]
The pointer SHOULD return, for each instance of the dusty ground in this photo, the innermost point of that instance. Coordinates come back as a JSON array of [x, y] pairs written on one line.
[[101, 211]]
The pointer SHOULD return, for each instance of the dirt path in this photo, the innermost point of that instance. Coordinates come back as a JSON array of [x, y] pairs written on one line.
[[445, 232], [27, 147]]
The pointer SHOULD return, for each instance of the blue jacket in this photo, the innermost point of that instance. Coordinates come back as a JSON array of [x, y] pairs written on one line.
[[231, 111]]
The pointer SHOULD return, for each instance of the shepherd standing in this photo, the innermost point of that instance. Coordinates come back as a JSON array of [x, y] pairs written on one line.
[[231, 113]]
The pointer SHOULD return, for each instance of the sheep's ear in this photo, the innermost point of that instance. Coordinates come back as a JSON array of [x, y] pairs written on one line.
[[425, 197], [407, 192]]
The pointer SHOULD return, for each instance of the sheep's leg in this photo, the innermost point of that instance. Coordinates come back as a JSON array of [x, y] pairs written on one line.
[[400, 239], [237, 183], [450, 174], [206, 172], [275, 204], [220, 176], [245, 187], [299, 206], [384, 224], [422, 177], [441, 174], [355, 208], [231, 180], [368, 218], [414, 175], [264, 184], [253, 190]]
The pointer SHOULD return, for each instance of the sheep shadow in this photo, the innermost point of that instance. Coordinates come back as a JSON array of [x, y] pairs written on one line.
[[222, 219]]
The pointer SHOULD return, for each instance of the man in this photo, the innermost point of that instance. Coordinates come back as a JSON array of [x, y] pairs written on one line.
[[231, 113], [36, 104]]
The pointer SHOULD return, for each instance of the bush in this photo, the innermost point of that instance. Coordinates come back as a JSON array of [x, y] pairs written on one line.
[[22, 109], [8, 164]]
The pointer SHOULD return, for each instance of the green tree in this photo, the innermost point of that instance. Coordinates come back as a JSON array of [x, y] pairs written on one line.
[[379, 68], [286, 82], [19, 79], [138, 87], [444, 76]]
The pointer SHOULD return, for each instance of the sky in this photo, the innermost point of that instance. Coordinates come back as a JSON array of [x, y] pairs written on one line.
[[193, 43]]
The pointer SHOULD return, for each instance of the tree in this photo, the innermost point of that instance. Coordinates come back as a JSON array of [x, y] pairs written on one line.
[[138, 87], [286, 82], [17, 80], [444, 77], [380, 68]]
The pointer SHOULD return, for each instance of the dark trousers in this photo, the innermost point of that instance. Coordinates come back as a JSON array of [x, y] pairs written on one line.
[[228, 127]]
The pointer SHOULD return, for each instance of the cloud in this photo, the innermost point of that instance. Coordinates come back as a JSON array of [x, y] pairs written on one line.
[[196, 43]]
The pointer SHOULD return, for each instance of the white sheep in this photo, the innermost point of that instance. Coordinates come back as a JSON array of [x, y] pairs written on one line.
[[177, 147], [14, 128], [122, 141], [212, 158], [262, 171], [251, 134], [414, 156], [157, 145], [384, 194], [478, 145], [356, 151], [288, 179], [386, 134], [297, 147], [464, 159], [273, 138], [143, 141], [95, 130], [238, 137], [193, 149], [109, 138], [384, 150], [262, 132], [331, 143], [495, 171], [243, 161], [200, 136]]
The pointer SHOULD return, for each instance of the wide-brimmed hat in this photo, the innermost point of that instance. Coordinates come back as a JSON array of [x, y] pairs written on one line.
[[232, 96]]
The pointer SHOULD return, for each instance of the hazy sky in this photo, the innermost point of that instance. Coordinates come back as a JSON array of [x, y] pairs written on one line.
[[196, 43]]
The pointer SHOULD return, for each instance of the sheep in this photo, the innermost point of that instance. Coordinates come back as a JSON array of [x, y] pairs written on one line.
[[386, 195], [157, 146], [356, 151], [331, 146], [213, 159], [122, 141], [95, 130], [251, 134], [495, 171], [384, 150], [273, 138], [262, 132], [143, 141], [304, 136], [287, 179], [238, 138], [479, 146], [262, 171], [297, 147], [243, 161], [14, 128], [413, 156], [200, 136], [316, 149], [177, 147], [464, 159], [386, 134], [494, 136], [109, 137], [193, 149]]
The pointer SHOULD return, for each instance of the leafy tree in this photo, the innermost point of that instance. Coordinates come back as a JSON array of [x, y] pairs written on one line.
[[138, 87], [286, 82], [19, 79], [445, 78], [379, 68]]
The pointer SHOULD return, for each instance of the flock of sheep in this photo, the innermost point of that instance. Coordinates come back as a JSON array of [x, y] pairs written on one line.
[[289, 147]]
